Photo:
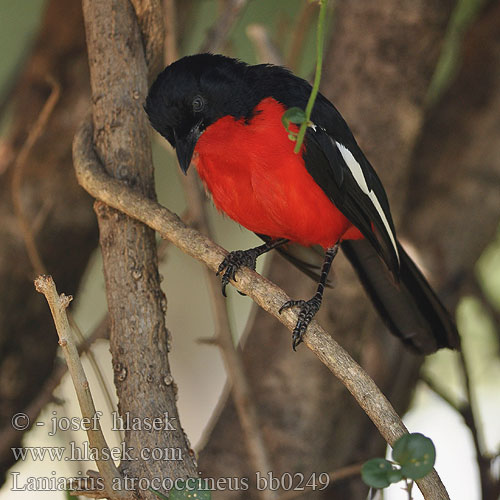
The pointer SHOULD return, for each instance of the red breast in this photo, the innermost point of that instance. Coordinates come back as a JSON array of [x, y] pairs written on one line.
[[254, 176]]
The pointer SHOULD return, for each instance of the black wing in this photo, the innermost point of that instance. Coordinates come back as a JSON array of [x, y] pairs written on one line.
[[349, 181], [335, 161]]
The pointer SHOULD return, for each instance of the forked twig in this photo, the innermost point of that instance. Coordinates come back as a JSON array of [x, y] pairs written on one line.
[[58, 304]]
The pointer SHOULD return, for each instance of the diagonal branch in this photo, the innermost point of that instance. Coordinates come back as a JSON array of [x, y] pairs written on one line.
[[267, 295]]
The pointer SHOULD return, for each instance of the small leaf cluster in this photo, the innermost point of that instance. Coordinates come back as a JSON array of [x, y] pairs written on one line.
[[413, 457], [293, 115]]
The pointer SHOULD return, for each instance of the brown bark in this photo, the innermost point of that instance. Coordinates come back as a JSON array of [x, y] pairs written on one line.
[[455, 167], [139, 342], [310, 422], [56, 207]]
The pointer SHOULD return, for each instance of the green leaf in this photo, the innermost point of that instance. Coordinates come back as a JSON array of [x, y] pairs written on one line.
[[379, 473], [416, 454], [293, 115], [191, 494]]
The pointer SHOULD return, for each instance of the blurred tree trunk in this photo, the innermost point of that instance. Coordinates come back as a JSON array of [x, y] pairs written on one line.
[[59, 211], [379, 82], [455, 171], [456, 178]]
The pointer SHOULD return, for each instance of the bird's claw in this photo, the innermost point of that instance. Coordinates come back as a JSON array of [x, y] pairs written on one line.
[[232, 264], [308, 308]]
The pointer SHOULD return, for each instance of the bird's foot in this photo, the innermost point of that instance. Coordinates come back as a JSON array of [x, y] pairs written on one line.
[[232, 264], [308, 308]]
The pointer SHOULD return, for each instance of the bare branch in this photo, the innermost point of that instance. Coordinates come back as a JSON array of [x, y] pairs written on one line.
[[490, 486], [266, 294], [58, 304]]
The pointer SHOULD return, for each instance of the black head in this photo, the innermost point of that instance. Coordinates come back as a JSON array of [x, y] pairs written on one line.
[[194, 92]]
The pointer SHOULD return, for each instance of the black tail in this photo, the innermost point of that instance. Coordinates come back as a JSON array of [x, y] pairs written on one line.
[[410, 308]]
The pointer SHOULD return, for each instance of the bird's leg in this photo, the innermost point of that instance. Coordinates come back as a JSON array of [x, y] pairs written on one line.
[[308, 308], [235, 260]]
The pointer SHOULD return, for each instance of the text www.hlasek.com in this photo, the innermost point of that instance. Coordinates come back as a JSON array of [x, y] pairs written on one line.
[[85, 452]]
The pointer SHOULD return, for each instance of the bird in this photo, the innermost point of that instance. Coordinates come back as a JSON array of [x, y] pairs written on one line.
[[225, 117]]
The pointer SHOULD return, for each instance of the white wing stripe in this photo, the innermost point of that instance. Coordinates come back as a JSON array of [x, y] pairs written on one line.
[[359, 177]]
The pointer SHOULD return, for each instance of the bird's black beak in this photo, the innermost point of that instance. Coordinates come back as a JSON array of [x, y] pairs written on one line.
[[184, 146]]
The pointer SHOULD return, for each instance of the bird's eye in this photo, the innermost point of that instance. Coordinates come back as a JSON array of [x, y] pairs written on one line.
[[198, 103]]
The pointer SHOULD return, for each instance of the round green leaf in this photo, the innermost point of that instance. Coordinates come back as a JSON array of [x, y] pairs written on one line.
[[377, 473], [416, 454], [293, 115]]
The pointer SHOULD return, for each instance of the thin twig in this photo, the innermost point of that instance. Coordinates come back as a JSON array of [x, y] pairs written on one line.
[[473, 286], [244, 400], [266, 294], [488, 483], [18, 173], [459, 408], [29, 229], [218, 33], [58, 305], [465, 410], [94, 365], [468, 412]]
